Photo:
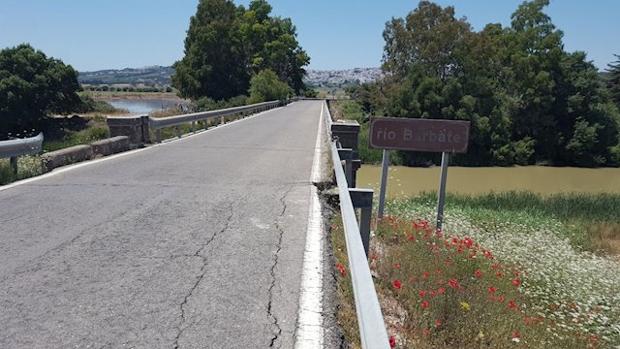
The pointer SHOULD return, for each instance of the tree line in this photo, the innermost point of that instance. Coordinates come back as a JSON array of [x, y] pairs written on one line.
[[529, 101]]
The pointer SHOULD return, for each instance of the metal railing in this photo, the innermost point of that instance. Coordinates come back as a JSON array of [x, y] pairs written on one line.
[[373, 334], [18, 147], [177, 120]]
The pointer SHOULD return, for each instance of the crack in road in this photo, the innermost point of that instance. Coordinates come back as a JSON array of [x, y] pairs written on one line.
[[198, 254], [272, 272]]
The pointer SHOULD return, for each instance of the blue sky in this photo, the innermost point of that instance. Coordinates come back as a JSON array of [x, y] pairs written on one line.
[[338, 34]]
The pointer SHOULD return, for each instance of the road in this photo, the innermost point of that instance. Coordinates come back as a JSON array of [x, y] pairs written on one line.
[[197, 243]]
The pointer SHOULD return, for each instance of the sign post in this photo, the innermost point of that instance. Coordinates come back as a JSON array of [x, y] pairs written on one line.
[[385, 163], [427, 135], [441, 196]]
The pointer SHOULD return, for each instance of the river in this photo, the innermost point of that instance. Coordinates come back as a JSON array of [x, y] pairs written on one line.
[[144, 106], [407, 181]]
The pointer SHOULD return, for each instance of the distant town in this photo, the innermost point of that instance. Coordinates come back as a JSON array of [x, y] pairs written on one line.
[[157, 78]]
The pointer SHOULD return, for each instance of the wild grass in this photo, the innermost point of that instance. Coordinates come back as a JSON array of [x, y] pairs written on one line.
[[565, 296], [590, 221], [71, 138], [27, 166], [440, 291]]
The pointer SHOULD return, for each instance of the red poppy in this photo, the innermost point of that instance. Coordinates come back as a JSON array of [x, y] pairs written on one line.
[[492, 290], [437, 323], [426, 274], [397, 284], [512, 304], [441, 290], [516, 282], [488, 254], [392, 342], [425, 304], [454, 283], [422, 293], [468, 242], [396, 265], [342, 269], [478, 274], [410, 237]]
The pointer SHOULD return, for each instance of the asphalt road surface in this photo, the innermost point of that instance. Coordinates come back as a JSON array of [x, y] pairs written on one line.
[[197, 243]]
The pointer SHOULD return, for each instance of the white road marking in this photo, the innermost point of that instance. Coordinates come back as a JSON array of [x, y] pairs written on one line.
[[131, 152], [309, 332]]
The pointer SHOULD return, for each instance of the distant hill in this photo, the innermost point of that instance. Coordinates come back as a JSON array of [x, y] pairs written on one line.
[[149, 76], [160, 76]]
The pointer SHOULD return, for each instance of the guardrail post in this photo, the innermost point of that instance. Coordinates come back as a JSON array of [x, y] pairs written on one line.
[[13, 160], [134, 127], [222, 120], [347, 133], [193, 126], [346, 154], [362, 199], [146, 131], [177, 130], [158, 135]]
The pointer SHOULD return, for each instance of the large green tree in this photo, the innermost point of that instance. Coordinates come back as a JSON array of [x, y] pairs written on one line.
[[32, 86], [227, 45], [214, 61], [528, 100], [613, 82]]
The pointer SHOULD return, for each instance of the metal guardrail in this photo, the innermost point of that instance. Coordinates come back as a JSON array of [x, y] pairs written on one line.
[[373, 334], [19, 147], [157, 123]]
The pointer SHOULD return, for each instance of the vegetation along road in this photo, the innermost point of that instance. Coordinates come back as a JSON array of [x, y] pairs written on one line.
[[194, 243]]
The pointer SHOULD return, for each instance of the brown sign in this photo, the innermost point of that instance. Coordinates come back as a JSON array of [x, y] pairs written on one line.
[[431, 135]]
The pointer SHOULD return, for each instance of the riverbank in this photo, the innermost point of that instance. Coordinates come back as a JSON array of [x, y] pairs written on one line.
[[509, 268]]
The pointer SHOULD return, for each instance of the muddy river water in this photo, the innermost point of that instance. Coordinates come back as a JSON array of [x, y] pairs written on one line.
[[407, 181]]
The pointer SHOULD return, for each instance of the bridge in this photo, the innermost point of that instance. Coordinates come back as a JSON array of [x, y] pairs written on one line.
[[193, 243]]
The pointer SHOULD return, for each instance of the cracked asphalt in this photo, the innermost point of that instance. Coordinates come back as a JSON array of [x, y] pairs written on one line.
[[193, 244]]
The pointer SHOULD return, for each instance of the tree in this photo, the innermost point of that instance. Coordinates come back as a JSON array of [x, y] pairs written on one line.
[[527, 99], [266, 86], [32, 86], [613, 82], [429, 37], [213, 65], [227, 45]]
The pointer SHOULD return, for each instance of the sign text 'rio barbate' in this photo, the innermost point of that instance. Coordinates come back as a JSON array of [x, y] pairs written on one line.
[[428, 135]]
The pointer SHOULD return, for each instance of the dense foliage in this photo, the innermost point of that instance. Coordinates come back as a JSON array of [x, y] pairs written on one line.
[[226, 45], [528, 100], [613, 81], [265, 86], [32, 86]]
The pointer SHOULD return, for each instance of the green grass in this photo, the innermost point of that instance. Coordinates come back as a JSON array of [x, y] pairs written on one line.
[[27, 166], [70, 138], [590, 221]]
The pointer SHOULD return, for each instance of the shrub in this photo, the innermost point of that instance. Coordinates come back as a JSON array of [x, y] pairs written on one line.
[[266, 86]]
